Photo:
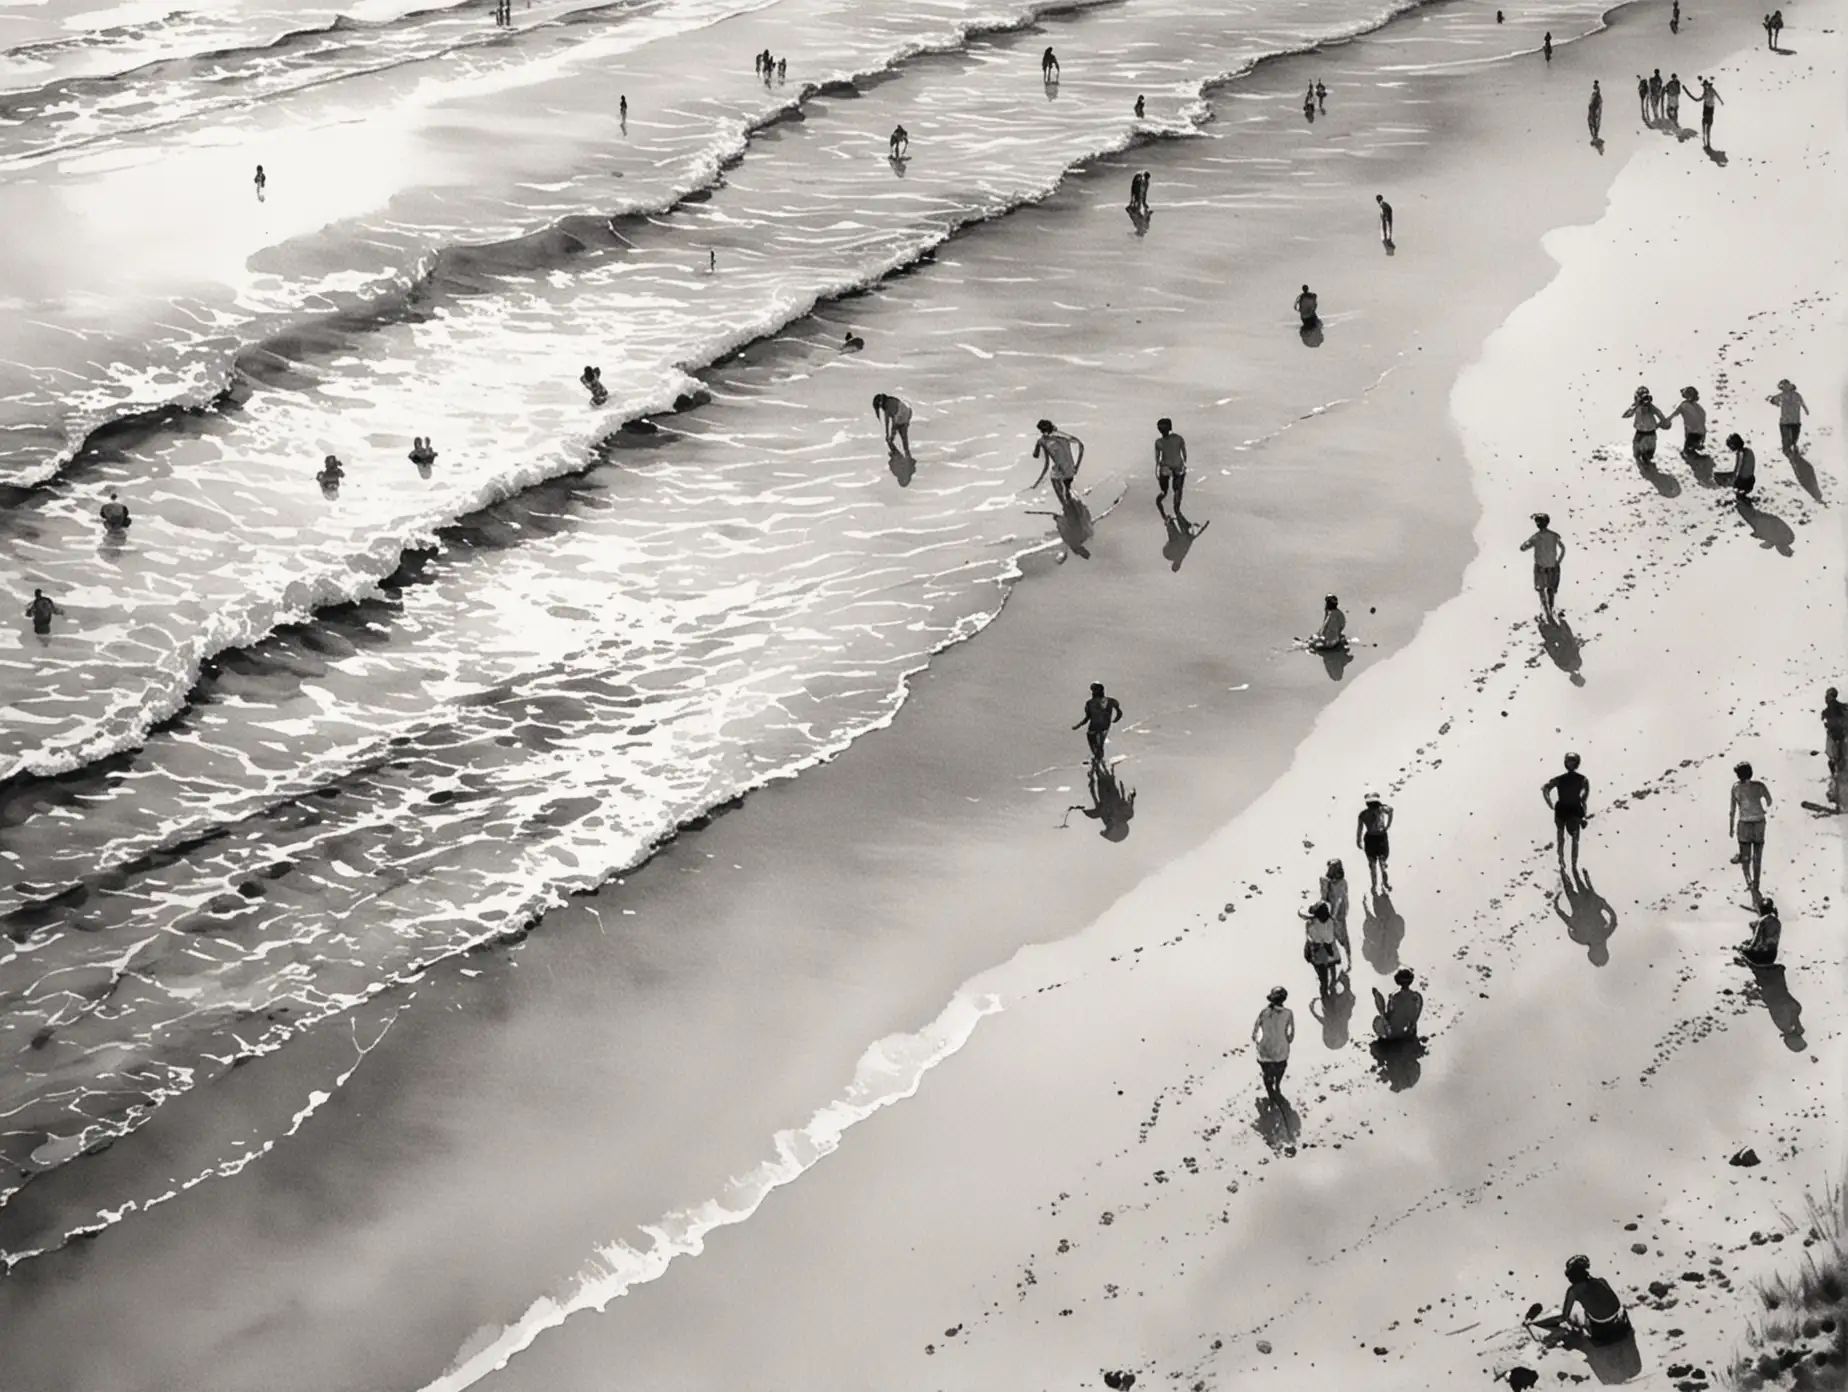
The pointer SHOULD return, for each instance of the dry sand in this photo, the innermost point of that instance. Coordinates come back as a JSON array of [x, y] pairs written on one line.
[[1089, 1185]]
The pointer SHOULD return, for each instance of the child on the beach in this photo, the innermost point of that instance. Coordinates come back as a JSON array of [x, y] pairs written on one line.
[[1745, 467], [1790, 410], [1693, 417]]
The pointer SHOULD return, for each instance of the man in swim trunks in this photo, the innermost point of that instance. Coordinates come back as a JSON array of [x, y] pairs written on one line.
[[1100, 713], [1671, 92], [1385, 218], [1548, 548], [1790, 409], [1370, 834], [1273, 1031], [1707, 98], [1306, 306], [115, 513], [1170, 462], [1321, 97], [1835, 741], [1398, 1014], [40, 611], [1594, 114], [897, 417], [1693, 421], [1648, 420], [900, 142], [1591, 1308], [1569, 795], [1063, 454], [1746, 814]]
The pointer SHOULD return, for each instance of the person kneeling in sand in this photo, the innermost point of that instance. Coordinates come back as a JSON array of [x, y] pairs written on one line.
[[1398, 1014], [897, 418], [1332, 636], [1591, 1308], [1767, 933], [1306, 306]]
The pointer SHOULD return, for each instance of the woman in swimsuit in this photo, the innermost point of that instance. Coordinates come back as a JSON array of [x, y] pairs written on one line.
[[1648, 420]]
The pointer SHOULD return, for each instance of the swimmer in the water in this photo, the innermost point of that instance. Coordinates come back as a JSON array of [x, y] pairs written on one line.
[[1139, 110], [115, 513], [422, 451], [853, 343], [593, 382], [332, 470], [41, 610], [262, 182]]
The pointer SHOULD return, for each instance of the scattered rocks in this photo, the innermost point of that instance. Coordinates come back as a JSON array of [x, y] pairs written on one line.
[[1639, 1248], [1264, 1346], [1119, 1382], [1520, 1378], [1659, 1289], [1745, 1159]]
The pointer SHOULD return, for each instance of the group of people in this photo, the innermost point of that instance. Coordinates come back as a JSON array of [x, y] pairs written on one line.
[[503, 12], [1315, 101], [770, 68], [1774, 28], [1647, 419]]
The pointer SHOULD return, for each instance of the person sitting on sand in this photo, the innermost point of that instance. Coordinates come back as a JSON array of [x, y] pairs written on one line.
[[1693, 418], [1549, 550], [1398, 1014], [852, 343], [1648, 420], [1100, 713], [1745, 467], [115, 513], [422, 452], [1064, 454], [1370, 834], [1273, 1033], [900, 143], [332, 470], [41, 611], [1170, 463], [1594, 114], [1321, 950], [1591, 1308], [897, 418], [593, 382], [1790, 409], [1760, 950], [1332, 635], [1306, 307]]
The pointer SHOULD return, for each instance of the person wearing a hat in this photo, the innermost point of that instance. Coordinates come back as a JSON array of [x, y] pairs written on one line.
[[1332, 635], [1549, 549], [1693, 421], [1370, 835], [1272, 1033], [1398, 1014], [1790, 408], [1591, 1308], [1648, 420]]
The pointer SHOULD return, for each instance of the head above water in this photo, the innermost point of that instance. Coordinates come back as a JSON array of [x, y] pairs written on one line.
[[1278, 995], [1578, 1268], [1572, 761], [1735, 441], [1046, 427], [1744, 770], [1164, 425], [1405, 976]]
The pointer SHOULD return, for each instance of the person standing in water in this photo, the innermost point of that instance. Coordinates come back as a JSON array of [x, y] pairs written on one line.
[[1693, 417], [1170, 463], [1385, 218], [1139, 107], [1549, 549], [1569, 795], [1332, 635], [1064, 454], [1546, 45], [1139, 191], [1594, 114], [1100, 713], [622, 110], [1790, 409], [1306, 307], [1835, 741], [1674, 18], [1745, 468], [900, 143], [1708, 97], [1370, 834], [1746, 813], [1321, 97], [261, 181], [1049, 65], [41, 611], [1273, 1033], [1647, 420], [1309, 103], [115, 514], [896, 416]]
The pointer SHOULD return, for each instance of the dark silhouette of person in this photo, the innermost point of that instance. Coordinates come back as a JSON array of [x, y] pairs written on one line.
[[1589, 918], [1112, 804]]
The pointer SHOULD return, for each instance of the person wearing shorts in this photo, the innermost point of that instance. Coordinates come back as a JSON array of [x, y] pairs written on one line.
[[1790, 410], [1273, 1031], [1548, 548], [1063, 454], [1170, 463], [1648, 420], [1569, 795], [1370, 834], [1746, 814], [1693, 418]]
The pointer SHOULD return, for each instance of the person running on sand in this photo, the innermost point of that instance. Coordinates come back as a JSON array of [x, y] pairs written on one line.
[[1648, 420], [1745, 467], [1655, 94], [1385, 218], [1708, 96], [1273, 1033], [1049, 65], [1693, 417], [1321, 97], [1320, 948], [1306, 306], [1569, 795], [1170, 463], [1100, 713], [1333, 887], [1064, 454], [1790, 409], [1760, 950], [115, 514], [1546, 45], [1549, 549], [1370, 834], [1591, 1308], [41, 610], [1594, 114], [1398, 1014], [897, 418], [1835, 741], [1746, 813], [900, 142], [1332, 635]]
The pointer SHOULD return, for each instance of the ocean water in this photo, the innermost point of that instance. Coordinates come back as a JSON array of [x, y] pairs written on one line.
[[283, 749]]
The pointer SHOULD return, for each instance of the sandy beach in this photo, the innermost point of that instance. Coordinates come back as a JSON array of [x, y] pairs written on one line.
[[1053, 1163]]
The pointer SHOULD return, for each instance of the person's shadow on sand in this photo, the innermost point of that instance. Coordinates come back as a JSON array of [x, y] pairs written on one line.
[[1772, 531], [1335, 661], [1076, 527], [1311, 334], [1391, 247], [1562, 645], [1589, 918], [1609, 1363], [1665, 484], [1381, 933], [1052, 88], [904, 468], [1396, 1062], [1717, 156], [1805, 473], [1181, 537], [1700, 465], [1770, 987], [1597, 143], [1111, 804], [1278, 1124], [1335, 1013]]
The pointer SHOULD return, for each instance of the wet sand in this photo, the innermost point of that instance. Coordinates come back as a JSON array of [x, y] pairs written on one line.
[[494, 1136]]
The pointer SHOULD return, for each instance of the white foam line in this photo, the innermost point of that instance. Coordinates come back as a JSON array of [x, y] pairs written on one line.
[[889, 1071]]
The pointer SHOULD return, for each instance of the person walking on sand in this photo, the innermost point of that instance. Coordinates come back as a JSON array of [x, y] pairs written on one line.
[[261, 181], [1100, 713], [896, 416], [1790, 408], [1385, 218], [1549, 550], [1139, 191], [1760, 950], [1693, 418], [1674, 18], [1546, 45], [1671, 91], [41, 611], [1309, 103], [1321, 98], [1777, 27], [1835, 741], [1273, 1033], [1746, 813], [1594, 113], [1648, 420], [1333, 887], [1320, 949], [1332, 635], [1745, 468], [1306, 307], [1642, 96], [1370, 834], [1170, 463], [1049, 65], [1569, 795], [1708, 97], [1064, 455], [1397, 1017], [115, 514], [1655, 94]]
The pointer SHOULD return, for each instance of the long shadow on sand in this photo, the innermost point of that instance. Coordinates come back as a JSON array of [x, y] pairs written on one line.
[[1335, 661], [1772, 531], [1381, 933], [1717, 156], [1311, 334], [1700, 465], [1076, 527], [1181, 536], [1665, 484], [1805, 473], [1396, 1062], [1278, 1124], [1334, 1013], [1562, 645], [904, 468], [1589, 918], [1112, 805], [1770, 988]]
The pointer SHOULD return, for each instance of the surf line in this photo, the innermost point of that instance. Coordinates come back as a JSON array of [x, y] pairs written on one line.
[[890, 1070]]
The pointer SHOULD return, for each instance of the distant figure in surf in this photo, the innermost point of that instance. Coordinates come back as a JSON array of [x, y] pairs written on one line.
[[1546, 45], [1835, 741], [115, 514], [422, 451], [1309, 103], [1647, 421], [782, 69], [1549, 549], [261, 181], [1064, 454], [712, 261], [622, 110], [852, 343], [1760, 950], [1273, 1033], [1397, 1017], [1049, 65], [1671, 93], [1371, 830], [1498, 16], [1139, 108], [332, 471], [1385, 218], [1139, 192], [1790, 411], [1569, 795], [41, 611], [1321, 97], [1333, 887], [1642, 96], [1170, 463], [1693, 418], [900, 142], [1707, 99], [1306, 306], [1332, 635], [592, 380], [1100, 713], [1745, 468], [1594, 114], [1655, 94], [1674, 18], [1746, 813], [896, 416]]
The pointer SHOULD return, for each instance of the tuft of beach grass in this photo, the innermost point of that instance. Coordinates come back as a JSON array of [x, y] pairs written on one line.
[[1801, 1340]]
